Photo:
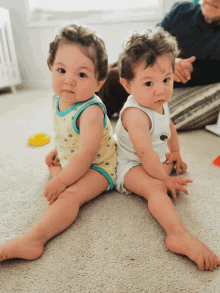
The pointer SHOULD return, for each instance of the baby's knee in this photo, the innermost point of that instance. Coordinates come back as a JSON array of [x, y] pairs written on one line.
[[70, 197], [157, 187]]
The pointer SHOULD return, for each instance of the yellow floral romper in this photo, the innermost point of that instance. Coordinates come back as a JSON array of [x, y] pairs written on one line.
[[68, 137]]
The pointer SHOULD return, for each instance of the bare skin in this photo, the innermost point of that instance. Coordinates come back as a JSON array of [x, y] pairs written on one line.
[[30, 246], [178, 240], [57, 218]]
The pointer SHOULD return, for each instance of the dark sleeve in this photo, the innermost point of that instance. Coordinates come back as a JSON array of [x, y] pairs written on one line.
[[204, 72], [167, 21]]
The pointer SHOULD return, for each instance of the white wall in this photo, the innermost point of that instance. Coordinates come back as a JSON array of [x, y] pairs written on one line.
[[32, 44], [169, 3], [112, 35], [26, 60]]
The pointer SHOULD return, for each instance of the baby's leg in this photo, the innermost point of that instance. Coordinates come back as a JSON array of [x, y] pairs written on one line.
[[57, 218], [178, 240]]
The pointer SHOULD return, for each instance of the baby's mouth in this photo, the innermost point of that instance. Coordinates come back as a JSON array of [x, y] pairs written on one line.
[[68, 92]]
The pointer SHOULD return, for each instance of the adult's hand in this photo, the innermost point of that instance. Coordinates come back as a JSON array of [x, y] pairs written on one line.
[[183, 69]]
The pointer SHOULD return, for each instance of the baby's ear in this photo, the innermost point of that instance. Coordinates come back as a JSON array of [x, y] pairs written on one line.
[[99, 84], [126, 85]]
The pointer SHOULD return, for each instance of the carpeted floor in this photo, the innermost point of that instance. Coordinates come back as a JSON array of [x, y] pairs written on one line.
[[115, 245]]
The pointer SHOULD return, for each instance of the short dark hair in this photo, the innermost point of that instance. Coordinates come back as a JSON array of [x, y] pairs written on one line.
[[87, 39], [146, 45]]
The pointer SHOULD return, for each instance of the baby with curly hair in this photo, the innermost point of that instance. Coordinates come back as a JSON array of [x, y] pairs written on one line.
[[143, 132], [83, 163]]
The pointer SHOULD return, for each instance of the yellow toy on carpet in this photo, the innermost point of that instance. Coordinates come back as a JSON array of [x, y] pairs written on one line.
[[39, 139]]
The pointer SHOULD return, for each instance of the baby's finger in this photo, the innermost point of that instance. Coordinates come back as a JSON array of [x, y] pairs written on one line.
[[169, 161], [183, 167], [49, 196], [183, 189], [175, 198], [181, 180], [167, 155], [53, 199], [173, 192], [49, 157], [185, 184], [177, 168], [56, 161], [51, 202]]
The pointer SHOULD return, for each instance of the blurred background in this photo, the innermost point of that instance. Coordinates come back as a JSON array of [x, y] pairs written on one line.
[[34, 23]]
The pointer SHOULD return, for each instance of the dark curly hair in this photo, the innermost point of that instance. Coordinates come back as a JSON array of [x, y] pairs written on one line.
[[147, 45], [87, 39]]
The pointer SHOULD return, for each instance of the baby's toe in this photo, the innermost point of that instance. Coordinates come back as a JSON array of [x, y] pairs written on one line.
[[211, 261], [207, 262], [215, 260], [200, 262]]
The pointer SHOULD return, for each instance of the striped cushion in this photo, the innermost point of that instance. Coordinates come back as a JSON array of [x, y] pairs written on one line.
[[195, 107]]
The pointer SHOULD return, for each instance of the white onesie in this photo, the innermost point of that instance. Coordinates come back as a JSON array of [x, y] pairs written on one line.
[[126, 154]]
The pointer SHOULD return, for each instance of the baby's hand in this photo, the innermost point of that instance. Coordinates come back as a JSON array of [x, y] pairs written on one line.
[[52, 159], [53, 189], [176, 184], [175, 157]]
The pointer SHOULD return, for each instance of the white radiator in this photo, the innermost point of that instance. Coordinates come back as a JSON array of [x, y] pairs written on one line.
[[9, 73]]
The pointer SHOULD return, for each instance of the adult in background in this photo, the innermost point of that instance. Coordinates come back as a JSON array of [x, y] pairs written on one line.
[[197, 30]]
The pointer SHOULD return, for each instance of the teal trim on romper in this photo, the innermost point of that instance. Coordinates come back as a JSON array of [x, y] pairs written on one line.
[[64, 113], [82, 109], [105, 174]]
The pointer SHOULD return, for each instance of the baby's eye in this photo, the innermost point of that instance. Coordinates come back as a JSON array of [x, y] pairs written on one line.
[[166, 80], [61, 70], [82, 74], [149, 83]]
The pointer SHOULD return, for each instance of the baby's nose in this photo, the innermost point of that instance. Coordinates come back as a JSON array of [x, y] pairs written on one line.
[[159, 90], [71, 80]]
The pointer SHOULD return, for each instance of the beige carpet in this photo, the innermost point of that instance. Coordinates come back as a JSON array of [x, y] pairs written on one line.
[[115, 245]]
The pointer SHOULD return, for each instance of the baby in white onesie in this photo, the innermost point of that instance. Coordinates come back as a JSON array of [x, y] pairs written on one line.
[[143, 133]]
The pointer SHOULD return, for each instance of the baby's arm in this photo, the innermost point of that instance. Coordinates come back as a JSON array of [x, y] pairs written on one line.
[[91, 133], [173, 145], [138, 124]]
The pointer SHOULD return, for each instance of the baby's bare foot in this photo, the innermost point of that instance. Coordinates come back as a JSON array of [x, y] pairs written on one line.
[[185, 243], [26, 246]]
